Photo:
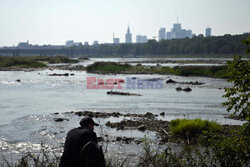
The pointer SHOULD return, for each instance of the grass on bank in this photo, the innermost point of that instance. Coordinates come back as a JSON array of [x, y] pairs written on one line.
[[108, 67], [32, 61], [20, 62], [220, 151], [112, 67], [54, 59], [186, 128]]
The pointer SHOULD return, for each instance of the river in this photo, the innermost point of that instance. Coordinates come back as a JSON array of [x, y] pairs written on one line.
[[28, 107]]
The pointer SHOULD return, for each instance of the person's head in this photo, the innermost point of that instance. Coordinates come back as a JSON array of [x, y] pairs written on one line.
[[88, 122]]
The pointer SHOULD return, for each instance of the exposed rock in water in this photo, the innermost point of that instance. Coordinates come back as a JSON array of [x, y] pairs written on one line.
[[154, 79], [187, 89], [188, 83], [178, 89], [162, 114], [60, 119], [193, 83], [18, 80], [126, 140], [66, 74], [122, 93], [142, 127], [171, 81], [118, 138], [148, 115], [142, 124]]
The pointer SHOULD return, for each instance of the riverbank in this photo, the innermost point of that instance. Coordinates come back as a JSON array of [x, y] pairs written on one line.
[[31, 62], [118, 68], [152, 122], [227, 145], [35, 64]]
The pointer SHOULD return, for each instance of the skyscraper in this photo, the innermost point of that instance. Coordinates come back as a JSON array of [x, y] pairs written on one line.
[[208, 32], [162, 34], [128, 36], [178, 33]]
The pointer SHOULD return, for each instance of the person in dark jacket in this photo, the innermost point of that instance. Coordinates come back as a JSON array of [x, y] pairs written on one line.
[[76, 139]]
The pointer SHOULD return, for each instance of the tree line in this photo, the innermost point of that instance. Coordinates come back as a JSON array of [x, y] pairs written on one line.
[[227, 44]]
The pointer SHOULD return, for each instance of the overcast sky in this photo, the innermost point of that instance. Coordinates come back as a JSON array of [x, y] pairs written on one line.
[[56, 21]]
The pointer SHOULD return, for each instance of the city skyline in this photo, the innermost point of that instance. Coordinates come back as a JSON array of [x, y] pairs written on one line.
[[55, 22], [176, 33]]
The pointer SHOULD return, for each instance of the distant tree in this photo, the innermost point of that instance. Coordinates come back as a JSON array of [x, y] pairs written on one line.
[[238, 95]]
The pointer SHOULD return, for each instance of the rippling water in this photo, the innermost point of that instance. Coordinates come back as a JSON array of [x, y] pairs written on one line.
[[27, 108]]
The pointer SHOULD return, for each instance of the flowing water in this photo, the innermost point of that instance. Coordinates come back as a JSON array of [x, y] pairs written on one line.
[[28, 107]]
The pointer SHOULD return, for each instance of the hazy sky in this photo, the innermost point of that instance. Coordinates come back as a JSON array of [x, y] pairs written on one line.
[[56, 21]]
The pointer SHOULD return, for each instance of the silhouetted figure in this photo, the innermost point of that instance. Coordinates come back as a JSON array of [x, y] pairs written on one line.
[[81, 148]]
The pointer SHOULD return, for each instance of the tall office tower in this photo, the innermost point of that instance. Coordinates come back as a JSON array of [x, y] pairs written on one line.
[[177, 31], [162, 34], [128, 36], [177, 27], [208, 32]]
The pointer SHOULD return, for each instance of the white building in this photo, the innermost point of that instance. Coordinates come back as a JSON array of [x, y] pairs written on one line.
[[116, 40], [178, 33], [162, 34], [70, 43], [208, 32], [24, 45], [141, 39], [95, 43]]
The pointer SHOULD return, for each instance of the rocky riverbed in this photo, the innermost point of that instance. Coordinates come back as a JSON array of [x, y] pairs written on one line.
[[142, 122]]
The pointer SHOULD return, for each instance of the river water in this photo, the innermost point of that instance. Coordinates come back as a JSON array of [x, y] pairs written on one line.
[[28, 107]]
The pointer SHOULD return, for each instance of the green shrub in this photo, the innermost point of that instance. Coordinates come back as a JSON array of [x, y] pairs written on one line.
[[32, 61], [21, 62], [187, 128], [108, 67], [213, 71]]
